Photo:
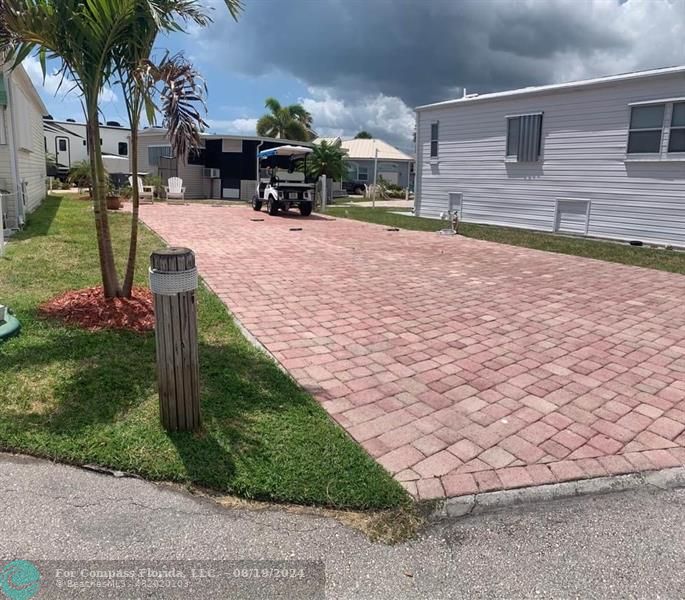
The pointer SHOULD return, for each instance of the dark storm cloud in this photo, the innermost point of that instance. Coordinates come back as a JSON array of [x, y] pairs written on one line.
[[420, 51]]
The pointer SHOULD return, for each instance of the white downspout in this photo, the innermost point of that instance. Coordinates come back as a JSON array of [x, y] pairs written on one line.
[[418, 166], [257, 179], [11, 141]]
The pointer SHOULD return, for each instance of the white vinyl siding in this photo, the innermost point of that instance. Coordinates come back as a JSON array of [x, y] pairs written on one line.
[[30, 143], [584, 141], [196, 184], [22, 120]]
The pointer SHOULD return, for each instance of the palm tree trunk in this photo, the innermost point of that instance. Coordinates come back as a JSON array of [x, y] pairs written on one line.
[[135, 199], [110, 280]]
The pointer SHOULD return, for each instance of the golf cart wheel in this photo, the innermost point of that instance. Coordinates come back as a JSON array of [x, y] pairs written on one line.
[[272, 207], [306, 209], [256, 203]]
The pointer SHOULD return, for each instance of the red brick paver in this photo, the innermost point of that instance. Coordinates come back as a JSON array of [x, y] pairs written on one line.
[[460, 365]]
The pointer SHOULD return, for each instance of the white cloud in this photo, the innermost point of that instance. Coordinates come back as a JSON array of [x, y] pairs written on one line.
[[385, 117], [51, 83], [107, 95], [237, 126], [654, 34]]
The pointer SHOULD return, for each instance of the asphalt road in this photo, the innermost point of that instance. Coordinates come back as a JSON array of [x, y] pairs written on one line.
[[628, 544]]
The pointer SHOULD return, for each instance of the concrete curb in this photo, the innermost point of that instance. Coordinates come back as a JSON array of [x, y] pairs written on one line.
[[474, 504]]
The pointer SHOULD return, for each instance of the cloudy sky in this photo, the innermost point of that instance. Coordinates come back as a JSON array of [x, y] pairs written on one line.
[[364, 64]]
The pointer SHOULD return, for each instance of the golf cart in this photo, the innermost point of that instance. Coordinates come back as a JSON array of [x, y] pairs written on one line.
[[282, 180]]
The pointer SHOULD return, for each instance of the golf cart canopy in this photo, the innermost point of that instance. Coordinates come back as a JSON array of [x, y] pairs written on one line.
[[285, 151]]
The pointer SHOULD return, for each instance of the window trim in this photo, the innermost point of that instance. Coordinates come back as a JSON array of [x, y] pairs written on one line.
[[436, 141], [663, 155], [657, 101], [514, 158], [671, 127], [661, 129]]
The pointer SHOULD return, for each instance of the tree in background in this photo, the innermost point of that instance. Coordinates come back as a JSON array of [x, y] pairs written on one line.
[[80, 175], [363, 135], [93, 42], [327, 159], [289, 122]]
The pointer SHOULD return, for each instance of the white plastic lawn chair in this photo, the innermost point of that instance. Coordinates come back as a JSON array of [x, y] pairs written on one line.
[[175, 192], [146, 193]]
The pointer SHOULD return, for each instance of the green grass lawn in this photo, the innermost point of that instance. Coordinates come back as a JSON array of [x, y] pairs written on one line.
[[84, 397], [653, 258]]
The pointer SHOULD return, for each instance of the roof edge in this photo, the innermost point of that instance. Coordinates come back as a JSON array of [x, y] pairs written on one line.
[[229, 136], [674, 70]]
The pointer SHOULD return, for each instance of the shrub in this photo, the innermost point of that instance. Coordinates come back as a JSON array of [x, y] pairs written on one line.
[[155, 181]]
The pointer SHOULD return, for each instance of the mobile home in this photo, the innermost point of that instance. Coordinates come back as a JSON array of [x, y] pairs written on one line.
[[22, 153], [602, 157], [364, 155], [67, 142], [223, 168]]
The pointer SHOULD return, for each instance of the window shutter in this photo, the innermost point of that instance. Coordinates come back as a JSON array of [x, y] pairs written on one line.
[[3, 91], [529, 138]]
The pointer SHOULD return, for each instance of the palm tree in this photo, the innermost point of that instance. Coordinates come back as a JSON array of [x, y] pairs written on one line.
[[327, 159], [87, 38], [173, 80], [80, 175], [363, 135], [291, 122], [83, 35]]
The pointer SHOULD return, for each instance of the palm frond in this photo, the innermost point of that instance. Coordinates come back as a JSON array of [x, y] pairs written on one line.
[[182, 98]]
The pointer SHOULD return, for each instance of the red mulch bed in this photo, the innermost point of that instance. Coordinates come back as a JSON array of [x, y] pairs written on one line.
[[89, 309]]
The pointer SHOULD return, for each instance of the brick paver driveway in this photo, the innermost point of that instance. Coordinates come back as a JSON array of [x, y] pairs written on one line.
[[461, 365]]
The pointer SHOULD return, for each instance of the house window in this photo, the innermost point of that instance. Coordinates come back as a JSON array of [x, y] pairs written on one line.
[[154, 153], [435, 132], [363, 173], [676, 140], [123, 149], [646, 126], [352, 171], [524, 137]]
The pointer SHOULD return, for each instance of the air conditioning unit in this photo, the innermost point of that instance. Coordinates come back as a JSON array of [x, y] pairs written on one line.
[[212, 173]]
